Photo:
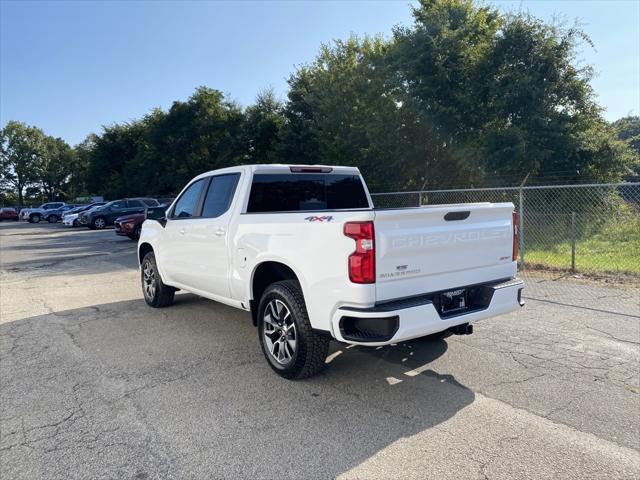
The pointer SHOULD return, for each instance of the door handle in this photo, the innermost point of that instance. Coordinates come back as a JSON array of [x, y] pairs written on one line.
[[182, 231], [220, 231]]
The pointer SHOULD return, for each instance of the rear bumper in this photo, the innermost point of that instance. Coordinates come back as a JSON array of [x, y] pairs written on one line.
[[416, 317]]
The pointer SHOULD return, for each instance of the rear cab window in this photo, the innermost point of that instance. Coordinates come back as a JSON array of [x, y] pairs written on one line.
[[297, 192]]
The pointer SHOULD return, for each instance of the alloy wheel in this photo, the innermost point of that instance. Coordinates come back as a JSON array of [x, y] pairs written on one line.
[[149, 280], [279, 332], [100, 223]]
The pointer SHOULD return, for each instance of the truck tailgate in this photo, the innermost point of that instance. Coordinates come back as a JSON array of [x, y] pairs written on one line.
[[429, 249]]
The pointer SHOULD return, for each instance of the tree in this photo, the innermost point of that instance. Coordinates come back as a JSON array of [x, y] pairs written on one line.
[[263, 123], [81, 161], [54, 167], [505, 93], [628, 131], [112, 150], [20, 148]]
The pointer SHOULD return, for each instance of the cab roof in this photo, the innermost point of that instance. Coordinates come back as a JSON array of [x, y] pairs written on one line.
[[272, 168]]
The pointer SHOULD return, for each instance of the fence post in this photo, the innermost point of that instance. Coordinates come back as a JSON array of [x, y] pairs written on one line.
[[521, 226], [573, 241]]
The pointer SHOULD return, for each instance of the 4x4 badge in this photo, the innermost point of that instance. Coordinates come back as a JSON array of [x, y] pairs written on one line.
[[319, 219]]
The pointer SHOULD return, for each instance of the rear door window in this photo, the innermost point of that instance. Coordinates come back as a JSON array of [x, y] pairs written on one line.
[[306, 191], [219, 195]]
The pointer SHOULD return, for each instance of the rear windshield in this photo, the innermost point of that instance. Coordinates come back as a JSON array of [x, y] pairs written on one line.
[[292, 192]]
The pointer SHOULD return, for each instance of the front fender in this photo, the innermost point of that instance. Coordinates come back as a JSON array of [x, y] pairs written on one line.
[[151, 235]]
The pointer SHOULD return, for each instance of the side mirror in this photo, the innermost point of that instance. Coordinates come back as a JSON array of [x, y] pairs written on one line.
[[156, 213]]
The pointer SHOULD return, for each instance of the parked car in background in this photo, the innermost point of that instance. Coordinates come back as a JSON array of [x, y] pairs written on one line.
[[131, 225], [43, 212], [70, 218], [58, 215], [9, 213], [100, 217]]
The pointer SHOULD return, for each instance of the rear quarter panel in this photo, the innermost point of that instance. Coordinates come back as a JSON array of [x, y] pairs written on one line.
[[313, 246]]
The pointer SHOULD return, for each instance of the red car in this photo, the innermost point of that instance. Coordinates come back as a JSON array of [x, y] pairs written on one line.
[[8, 213], [129, 225]]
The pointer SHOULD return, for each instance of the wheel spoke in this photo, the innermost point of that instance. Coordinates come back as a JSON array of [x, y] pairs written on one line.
[[270, 344], [289, 348], [273, 311], [270, 323], [279, 307]]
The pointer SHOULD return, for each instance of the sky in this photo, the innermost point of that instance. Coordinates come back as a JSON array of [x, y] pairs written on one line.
[[72, 67]]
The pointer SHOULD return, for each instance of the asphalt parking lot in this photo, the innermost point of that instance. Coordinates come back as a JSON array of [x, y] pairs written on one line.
[[94, 384]]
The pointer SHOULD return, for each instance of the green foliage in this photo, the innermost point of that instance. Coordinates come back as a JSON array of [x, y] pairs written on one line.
[[262, 125], [613, 248], [466, 96], [20, 149], [54, 167], [628, 131]]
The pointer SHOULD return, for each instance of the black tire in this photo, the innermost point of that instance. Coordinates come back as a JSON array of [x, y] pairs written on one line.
[[136, 233], [76, 223], [98, 223], [34, 218], [52, 219], [160, 295], [311, 348]]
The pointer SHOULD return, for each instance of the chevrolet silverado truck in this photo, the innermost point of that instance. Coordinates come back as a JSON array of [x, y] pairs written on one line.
[[304, 250]]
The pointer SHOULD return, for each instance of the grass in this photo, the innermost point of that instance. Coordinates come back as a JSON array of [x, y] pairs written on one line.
[[614, 249]]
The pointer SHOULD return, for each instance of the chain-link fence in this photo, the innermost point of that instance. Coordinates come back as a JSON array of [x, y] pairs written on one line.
[[575, 232]]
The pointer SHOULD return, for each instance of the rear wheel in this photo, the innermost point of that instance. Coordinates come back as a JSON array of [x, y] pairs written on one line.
[[136, 233], [155, 292], [76, 223], [290, 345], [52, 219]]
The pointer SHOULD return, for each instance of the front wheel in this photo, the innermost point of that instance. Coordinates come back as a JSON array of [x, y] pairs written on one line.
[[98, 223], [292, 348], [155, 292], [34, 218]]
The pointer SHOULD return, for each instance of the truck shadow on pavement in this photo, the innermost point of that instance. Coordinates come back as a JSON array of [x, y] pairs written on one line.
[[122, 390]]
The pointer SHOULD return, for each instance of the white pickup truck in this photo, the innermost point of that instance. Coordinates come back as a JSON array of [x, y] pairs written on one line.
[[304, 250]]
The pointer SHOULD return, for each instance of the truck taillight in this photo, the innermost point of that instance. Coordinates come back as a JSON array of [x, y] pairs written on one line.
[[514, 218], [362, 262]]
